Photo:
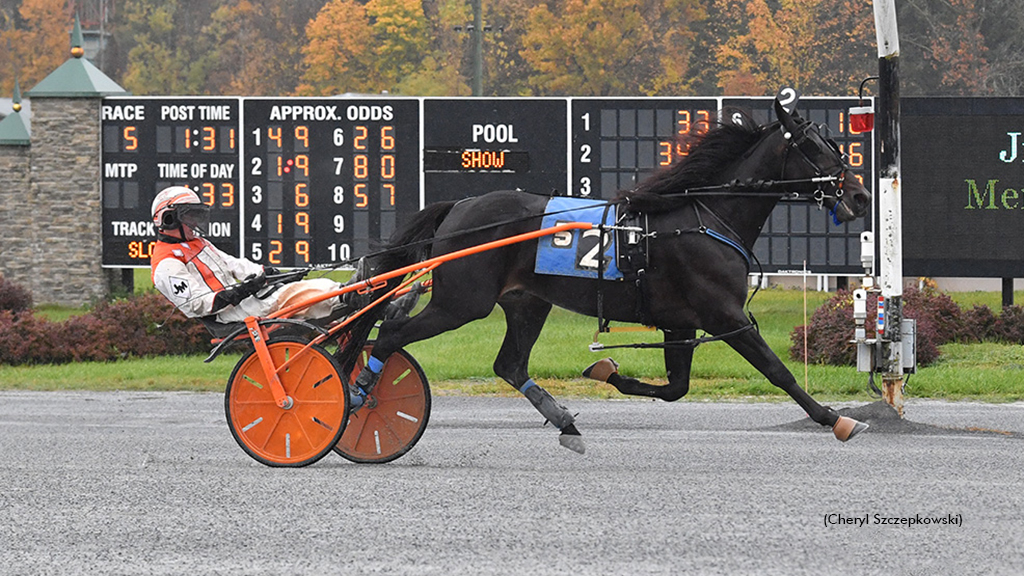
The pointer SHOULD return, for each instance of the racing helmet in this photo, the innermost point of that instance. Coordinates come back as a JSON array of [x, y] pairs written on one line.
[[178, 212]]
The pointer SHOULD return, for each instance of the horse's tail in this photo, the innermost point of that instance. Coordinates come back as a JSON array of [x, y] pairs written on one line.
[[408, 245], [411, 243]]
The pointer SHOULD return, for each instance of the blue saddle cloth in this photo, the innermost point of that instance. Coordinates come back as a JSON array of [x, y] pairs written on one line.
[[575, 252]]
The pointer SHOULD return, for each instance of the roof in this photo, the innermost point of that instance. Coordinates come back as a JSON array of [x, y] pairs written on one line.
[[76, 78], [13, 131]]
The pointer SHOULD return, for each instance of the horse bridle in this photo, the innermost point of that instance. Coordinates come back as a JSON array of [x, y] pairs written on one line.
[[805, 145]]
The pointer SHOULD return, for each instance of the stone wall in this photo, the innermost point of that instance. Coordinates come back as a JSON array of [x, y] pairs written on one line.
[[53, 243], [15, 234]]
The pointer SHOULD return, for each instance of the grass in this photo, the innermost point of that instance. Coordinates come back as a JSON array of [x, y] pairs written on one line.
[[459, 362]]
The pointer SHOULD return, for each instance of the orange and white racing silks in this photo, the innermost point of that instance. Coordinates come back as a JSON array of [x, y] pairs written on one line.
[[190, 274]]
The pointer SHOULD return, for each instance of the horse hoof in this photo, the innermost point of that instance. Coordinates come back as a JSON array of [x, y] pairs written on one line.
[[573, 442], [846, 428], [601, 370]]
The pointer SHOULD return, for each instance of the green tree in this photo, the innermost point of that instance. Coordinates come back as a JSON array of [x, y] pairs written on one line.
[[167, 53], [610, 47]]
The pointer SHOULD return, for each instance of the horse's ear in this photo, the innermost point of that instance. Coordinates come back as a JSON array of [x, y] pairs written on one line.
[[785, 107]]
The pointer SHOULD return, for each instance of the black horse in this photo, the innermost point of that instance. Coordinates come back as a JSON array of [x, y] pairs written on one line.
[[703, 215]]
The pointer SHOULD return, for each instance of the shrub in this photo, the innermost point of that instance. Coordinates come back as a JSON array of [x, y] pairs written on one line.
[[831, 329], [13, 297], [1009, 327], [829, 333], [937, 309], [111, 331], [978, 324]]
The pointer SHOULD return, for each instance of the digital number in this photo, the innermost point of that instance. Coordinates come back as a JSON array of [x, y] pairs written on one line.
[[274, 134], [854, 153], [302, 221], [387, 167], [302, 249], [302, 135], [686, 125], [209, 138], [360, 193], [209, 194], [361, 167], [131, 141], [276, 248], [359, 142], [389, 191], [301, 198], [387, 140]]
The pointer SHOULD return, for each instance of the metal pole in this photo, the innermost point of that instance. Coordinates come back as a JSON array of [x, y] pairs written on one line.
[[478, 48], [890, 203]]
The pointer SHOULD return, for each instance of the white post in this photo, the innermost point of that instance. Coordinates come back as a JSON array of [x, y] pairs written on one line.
[[890, 233]]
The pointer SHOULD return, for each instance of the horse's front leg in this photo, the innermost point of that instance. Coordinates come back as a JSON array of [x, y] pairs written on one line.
[[755, 350], [678, 359]]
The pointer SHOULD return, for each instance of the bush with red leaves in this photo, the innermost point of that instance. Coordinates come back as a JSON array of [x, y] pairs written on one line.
[[121, 329], [13, 297]]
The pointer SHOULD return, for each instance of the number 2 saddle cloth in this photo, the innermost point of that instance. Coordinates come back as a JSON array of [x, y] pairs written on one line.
[[576, 252]]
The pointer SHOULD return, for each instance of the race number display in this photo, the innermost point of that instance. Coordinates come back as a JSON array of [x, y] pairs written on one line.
[[149, 144]]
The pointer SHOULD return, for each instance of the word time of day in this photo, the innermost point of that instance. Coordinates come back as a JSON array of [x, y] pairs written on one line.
[[324, 181], [151, 143]]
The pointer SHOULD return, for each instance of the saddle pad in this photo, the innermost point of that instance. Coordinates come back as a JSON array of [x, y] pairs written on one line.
[[575, 252]]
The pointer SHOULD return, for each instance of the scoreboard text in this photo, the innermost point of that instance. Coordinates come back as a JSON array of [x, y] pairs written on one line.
[[294, 182]]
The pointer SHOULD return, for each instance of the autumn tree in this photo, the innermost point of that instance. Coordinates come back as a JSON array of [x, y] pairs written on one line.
[[35, 40], [258, 45], [371, 47], [609, 47], [815, 46], [946, 44]]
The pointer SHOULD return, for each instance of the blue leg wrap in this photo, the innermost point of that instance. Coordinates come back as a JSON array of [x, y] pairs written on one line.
[[374, 365]]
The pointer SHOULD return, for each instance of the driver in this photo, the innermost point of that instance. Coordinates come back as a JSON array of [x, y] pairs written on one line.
[[201, 280]]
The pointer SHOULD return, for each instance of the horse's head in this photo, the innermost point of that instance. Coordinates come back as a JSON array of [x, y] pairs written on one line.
[[817, 165]]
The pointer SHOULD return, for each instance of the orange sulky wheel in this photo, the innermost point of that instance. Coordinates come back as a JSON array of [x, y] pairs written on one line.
[[307, 430], [394, 416]]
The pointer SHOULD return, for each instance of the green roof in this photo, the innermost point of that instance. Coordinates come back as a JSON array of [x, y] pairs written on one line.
[[76, 78], [13, 131]]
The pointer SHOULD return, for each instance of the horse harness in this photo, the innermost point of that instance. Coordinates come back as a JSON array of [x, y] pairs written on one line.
[[633, 241]]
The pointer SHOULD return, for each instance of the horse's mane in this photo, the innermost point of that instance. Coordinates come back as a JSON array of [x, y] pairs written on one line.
[[708, 156]]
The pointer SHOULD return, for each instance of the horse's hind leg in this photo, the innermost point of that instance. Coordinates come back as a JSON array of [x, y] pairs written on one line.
[[677, 364], [755, 350], [524, 318]]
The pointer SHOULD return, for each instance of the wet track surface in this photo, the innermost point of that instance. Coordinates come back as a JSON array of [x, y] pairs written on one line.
[[153, 483]]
